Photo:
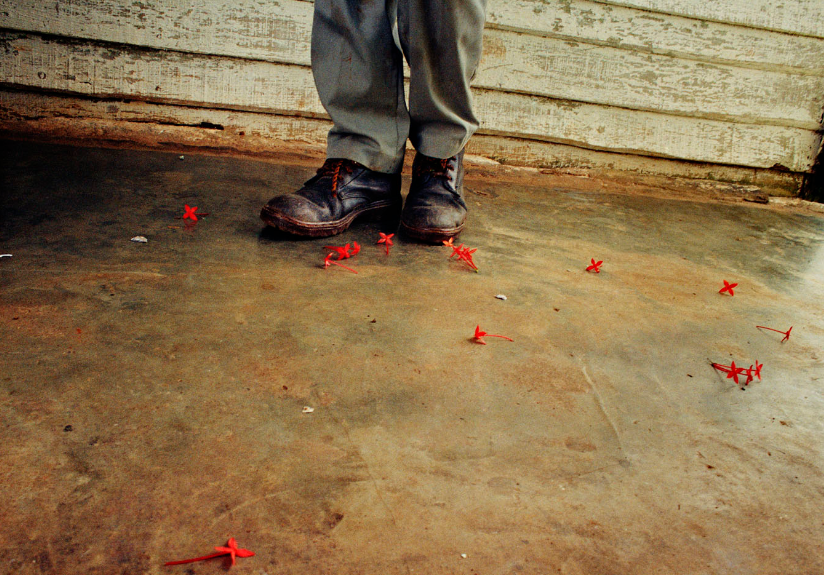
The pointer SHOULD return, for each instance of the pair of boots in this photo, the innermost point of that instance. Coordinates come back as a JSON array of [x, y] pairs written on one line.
[[343, 190]]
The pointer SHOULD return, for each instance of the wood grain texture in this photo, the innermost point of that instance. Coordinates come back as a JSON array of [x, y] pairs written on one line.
[[629, 79], [671, 35], [793, 16], [172, 77], [525, 63], [164, 126], [280, 31]]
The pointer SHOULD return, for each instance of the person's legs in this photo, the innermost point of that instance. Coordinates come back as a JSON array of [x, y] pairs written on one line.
[[358, 72], [359, 76], [442, 41]]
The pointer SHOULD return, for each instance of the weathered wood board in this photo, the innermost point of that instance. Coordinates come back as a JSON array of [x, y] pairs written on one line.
[[587, 73], [642, 31], [280, 31], [170, 126], [794, 16], [172, 77]]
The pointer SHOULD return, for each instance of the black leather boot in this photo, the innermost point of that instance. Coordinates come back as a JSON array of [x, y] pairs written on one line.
[[328, 203], [435, 209]]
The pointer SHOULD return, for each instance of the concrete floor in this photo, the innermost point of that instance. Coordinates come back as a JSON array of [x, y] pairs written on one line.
[[151, 395]]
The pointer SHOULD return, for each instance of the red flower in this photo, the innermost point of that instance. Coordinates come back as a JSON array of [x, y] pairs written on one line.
[[342, 251], [190, 213], [466, 256], [232, 549], [786, 333], [595, 266], [728, 287], [327, 261], [734, 372], [757, 370], [480, 335], [456, 250], [387, 240]]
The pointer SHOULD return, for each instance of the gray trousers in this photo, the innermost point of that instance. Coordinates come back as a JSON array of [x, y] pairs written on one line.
[[358, 48]]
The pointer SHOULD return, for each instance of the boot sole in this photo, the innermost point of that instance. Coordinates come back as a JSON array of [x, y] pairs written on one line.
[[274, 218], [431, 235]]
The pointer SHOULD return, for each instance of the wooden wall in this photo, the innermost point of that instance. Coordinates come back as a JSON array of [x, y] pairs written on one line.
[[732, 90]]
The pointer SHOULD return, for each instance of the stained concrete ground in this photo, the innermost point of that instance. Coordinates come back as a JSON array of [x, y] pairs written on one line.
[[152, 394]]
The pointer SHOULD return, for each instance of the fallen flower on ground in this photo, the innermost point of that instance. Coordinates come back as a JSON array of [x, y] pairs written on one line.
[[456, 250], [480, 335], [386, 240], [757, 370], [728, 287], [190, 213], [733, 371], [327, 261], [231, 549], [343, 252], [594, 266], [786, 333], [465, 255]]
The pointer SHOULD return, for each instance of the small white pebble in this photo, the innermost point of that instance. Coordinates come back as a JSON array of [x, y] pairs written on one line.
[[140, 239], [501, 296], [181, 157], [308, 409], [463, 555]]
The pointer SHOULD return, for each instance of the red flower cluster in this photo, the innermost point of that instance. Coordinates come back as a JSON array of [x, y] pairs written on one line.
[[734, 371], [344, 252], [464, 253]]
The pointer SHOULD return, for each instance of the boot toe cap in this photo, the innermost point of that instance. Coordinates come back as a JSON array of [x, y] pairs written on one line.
[[294, 207]]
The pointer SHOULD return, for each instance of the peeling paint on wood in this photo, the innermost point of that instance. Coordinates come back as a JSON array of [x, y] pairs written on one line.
[[793, 16], [550, 67], [280, 31], [641, 31]]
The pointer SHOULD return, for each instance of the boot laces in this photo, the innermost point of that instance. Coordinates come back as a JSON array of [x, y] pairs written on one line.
[[435, 167], [333, 168]]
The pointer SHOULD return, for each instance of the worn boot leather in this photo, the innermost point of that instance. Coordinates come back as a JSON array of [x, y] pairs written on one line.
[[435, 209], [328, 203]]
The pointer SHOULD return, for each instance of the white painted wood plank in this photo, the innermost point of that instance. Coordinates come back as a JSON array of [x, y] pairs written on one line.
[[276, 31], [241, 84], [618, 129], [640, 30], [160, 125], [280, 31], [793, 16], [604, 75]]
